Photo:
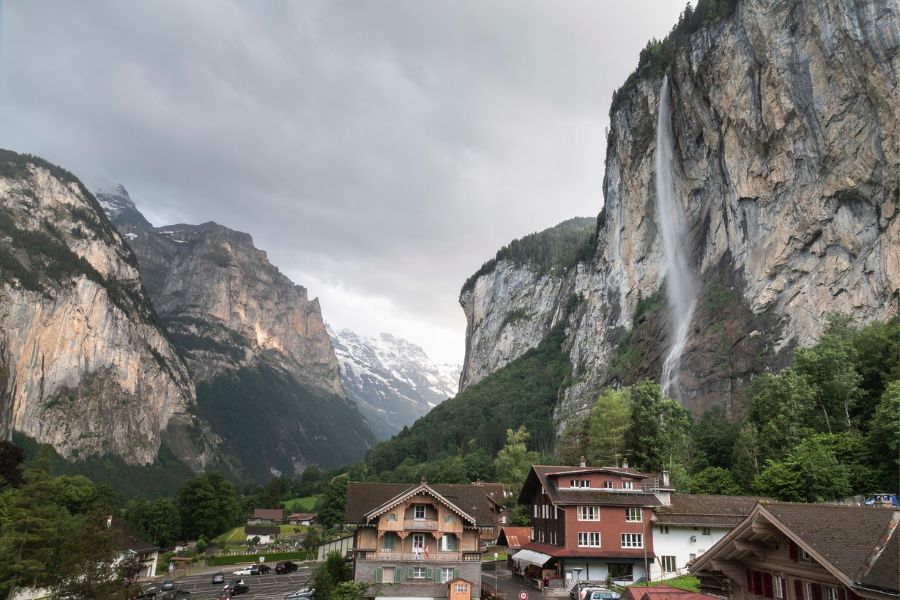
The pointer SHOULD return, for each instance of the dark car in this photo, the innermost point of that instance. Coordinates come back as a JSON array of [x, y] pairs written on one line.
[[236, 587], [263, 569], [168, 585], [149, 593], [218, 578], [286, 567]]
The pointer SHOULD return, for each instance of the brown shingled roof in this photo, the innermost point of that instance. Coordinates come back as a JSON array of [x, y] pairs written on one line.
[[271, 514], [855, 540], [705, 510], [547, 477], [362, 497], [514, 537]]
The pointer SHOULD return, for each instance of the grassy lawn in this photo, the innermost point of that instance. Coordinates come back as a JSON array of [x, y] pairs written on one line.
[[231, 538], [489, 555], [304, 504], [682, 582]]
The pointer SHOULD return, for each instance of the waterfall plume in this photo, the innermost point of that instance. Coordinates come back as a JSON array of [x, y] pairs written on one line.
[[681, 289]]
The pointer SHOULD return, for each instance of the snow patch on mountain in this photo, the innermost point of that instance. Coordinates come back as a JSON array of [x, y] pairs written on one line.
[[391, 379]]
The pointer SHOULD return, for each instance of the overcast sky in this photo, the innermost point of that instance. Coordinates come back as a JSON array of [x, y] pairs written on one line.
[[379, 151]]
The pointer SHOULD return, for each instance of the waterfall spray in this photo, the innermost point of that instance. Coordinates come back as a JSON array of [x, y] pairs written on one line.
[[680, 286]]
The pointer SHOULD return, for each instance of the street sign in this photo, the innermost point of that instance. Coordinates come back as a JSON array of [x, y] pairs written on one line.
[[523, 595]]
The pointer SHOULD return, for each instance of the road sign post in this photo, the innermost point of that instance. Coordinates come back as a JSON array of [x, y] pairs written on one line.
[[523, 595]]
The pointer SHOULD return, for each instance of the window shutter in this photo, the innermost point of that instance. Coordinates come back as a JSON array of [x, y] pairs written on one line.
[[767, 585], [816, 591], [377, 574], [750, 581], [409, 572], [398, 573], [793, 551], [840, 594], [437, 576], [758, 583], [456, 573], [798, 590], [428, 573]]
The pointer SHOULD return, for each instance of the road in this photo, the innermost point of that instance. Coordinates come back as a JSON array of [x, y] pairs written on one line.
[[262, 587]]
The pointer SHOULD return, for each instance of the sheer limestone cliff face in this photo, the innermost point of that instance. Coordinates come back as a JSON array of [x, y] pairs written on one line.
[[786, 153], [228, 307], [86, 368]]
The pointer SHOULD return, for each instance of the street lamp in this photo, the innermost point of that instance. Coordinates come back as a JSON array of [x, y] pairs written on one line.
[[577, 571]]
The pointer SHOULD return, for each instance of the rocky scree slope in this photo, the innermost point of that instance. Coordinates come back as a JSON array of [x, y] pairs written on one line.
[[84, 364], [786, 152], [268, 382], [391, 380]]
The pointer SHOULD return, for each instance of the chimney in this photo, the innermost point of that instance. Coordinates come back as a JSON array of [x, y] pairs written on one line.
[[625, 463], [583, 462], [665, 478]]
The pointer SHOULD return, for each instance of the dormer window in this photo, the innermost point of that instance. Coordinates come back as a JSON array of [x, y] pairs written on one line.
[[580, 483], [627, 485], [419, 512], [609, 484]]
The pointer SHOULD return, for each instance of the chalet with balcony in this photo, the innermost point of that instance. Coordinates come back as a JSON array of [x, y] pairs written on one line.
[[589, 523], [415, 540], [785, 551]]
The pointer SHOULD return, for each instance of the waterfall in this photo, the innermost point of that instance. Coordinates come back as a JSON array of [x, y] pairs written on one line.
[[680, 286]]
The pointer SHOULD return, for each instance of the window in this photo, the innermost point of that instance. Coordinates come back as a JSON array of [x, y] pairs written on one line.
[[809, 590], [532, 534], [588, 513], [634, 515], [609, 484], [419, 573], [627, 485], [668, 564], [804, 555], [449, 543], [392, 517], [388, 541], [705, 531], [387, 575], [460, 588], [664, 529], [535, 511], [632, 540], [418, 543], [580, 483], [589, 539], [419, 512], [446, 574], [779, 588], [542, 536], [692, 556], [831, 593]]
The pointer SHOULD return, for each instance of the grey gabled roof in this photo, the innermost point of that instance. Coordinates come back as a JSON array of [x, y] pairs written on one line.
[[704, 510]]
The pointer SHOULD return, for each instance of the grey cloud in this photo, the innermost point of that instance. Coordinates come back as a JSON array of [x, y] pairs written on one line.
[[392, 146]]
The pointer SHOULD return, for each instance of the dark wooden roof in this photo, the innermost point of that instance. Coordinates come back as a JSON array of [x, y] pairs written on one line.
[[859, 541], [546, 476], [476, 500], [262, 530], [126, 540], [271, 514], [705, 510]]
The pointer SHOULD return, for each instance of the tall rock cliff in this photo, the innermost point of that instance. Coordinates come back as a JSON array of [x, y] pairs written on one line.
[[785, 159], [267, 378], [84, 364], [392, 380]]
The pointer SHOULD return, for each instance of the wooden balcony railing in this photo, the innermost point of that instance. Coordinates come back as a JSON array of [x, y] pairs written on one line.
[[421, 524], [379, 555]]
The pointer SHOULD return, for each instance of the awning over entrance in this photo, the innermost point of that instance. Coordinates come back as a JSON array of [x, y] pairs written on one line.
[[531, 557]]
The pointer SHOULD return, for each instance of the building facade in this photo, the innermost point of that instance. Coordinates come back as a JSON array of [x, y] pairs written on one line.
[[589, 523], [785, 551], [685, 526], [414, 540]]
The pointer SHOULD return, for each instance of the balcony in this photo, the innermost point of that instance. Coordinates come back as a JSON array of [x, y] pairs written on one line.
[[377, 555], [420, 525]]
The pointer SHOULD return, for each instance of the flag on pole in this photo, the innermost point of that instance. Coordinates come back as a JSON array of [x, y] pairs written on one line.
[[426, 551]]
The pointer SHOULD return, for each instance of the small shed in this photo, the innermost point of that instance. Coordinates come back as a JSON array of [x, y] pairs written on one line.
[[302, 519], [459, 589]]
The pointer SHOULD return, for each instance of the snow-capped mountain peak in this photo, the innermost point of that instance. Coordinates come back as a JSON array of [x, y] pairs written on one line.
[[391, 379]]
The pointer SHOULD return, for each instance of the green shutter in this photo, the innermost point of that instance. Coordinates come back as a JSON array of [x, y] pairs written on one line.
[[388, 541], [409, 572], [428, 574], [398, 572], [456, 573], [378, 575], [437, 576]]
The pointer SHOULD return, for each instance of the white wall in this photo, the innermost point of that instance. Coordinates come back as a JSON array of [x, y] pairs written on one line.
[[678, 543], [595, 569]]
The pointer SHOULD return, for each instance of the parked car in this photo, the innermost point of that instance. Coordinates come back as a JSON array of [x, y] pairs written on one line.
[[286, 567], [301, 594], [264, 569], [580, 591], [218, 578], [149, 593], [236, 587], [247, 570], [168, 585], [603, 595], [179, 595]]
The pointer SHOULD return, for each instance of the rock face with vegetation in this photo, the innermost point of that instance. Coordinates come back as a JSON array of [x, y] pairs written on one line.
[[255, 344], [785, 151], [84, 363]]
